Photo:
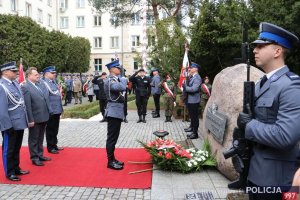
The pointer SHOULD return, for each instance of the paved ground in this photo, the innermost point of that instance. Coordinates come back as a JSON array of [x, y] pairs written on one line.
[[91, 133]]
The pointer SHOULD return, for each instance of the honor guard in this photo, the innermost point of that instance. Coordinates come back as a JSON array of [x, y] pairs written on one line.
[[274, 127], [114, 87], [192, 90], [142, 92], [56, 109], [13, 121]]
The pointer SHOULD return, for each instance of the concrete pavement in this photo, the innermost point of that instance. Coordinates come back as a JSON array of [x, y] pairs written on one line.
[[91, 133]]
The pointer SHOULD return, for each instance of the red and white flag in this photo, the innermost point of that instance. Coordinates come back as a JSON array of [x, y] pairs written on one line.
[[185, 65], [21, 74]]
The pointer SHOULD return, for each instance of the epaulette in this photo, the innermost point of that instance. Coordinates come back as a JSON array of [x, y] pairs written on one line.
[[293, 76]]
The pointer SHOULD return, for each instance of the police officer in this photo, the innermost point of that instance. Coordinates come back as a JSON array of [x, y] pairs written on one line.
[[114, 87], [99, 80], [142, 92], [156, 91], [193, 99], [13, 121], [56, 109], [274, 128]]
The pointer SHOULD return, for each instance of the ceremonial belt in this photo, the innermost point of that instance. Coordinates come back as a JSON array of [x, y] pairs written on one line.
[[16, 102]]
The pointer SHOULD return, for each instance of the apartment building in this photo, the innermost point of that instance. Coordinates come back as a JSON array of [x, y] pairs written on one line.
[[79, 18]]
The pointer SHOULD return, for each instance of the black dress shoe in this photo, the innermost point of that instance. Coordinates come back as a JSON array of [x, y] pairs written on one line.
[[59, 148], [103, 120], [114, 165], [188, 129], [22, 172], [119, 162], [37, 163], [53, 151], [192, 136], [156, 116], [125, 120], [13, 178], [43, 158]]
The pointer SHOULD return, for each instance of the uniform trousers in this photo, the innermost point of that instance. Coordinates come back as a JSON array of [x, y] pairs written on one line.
[[156, 98], [69, 96], [102, 104], [52, 131], [193, 109], [11, 145], [113, 132], [35, 140], [141, 104], [169, 106]]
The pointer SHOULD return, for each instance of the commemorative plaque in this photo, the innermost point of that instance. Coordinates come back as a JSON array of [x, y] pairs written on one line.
[[216, 122]]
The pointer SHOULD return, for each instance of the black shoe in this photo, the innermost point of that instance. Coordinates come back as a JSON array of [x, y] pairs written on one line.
[[59, 148], [192, 136], [13, 178], [53, 151], [156, 116], [103, 120], [43, 158], [188, 129], [125, 120], [140, 119], [166, 119], [119, 162], [170, 119], [22, 172], [144, 120], [65, 104], [37, 163], [114, 165]]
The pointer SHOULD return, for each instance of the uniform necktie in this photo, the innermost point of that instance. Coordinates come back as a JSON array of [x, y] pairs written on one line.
[[263, 81]]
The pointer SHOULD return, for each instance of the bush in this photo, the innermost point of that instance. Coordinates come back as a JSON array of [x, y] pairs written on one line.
[[84, 111]]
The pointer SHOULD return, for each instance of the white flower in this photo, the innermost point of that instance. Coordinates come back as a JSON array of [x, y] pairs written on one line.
[[198, 159], [202, 158], [195, 162], [189, 164], [200, 151], [192, 154]]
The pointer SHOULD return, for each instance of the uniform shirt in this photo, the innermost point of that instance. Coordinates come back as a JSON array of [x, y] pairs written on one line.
[[54, 96], [143, 87]]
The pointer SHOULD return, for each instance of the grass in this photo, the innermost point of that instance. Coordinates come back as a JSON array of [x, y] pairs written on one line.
[[84, 111]]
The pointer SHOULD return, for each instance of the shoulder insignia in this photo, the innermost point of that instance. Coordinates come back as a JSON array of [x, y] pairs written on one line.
[[293, 76]]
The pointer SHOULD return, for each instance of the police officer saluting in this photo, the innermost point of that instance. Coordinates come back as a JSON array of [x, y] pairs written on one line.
[[114, 87], [143, 91], [274, 128], [193, 99], [13, 121]]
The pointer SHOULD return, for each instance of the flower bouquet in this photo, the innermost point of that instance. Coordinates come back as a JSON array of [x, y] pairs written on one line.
[[168, 155]]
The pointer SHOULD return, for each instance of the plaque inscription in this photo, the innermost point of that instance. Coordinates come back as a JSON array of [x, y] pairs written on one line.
[[216, 122]]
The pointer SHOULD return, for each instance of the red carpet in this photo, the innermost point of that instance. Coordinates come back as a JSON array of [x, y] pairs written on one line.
[[85, 167]]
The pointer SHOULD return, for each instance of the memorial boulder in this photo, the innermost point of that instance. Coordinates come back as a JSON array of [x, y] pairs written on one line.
[[221, 112]]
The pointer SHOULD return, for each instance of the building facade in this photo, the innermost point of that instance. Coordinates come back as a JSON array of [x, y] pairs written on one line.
[[79, 18]]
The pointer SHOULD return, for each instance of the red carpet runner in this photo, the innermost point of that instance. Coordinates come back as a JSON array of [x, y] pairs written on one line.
[[85, 167]]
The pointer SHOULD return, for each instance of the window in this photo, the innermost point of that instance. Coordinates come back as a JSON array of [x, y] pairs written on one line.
[[98, 64], [49, 20], [80, 22], [135, 18], [151, 40], [40, 16], [135, 40], [114, 3], [114, 42], [97, 42], [0, 2], [49, 3], [80, 3], [97, 20], [150, 19], [28, 9], [135, 64], [114, 21], [13, 5], [63, 4], [64, 22]]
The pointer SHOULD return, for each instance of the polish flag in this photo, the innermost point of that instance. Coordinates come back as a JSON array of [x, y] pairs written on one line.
[[185, 65], [21, 74]]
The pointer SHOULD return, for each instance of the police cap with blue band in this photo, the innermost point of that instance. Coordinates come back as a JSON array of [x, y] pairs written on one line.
[[270, 33], [49, 69], [113, 64], [9, 66], [195, 65]]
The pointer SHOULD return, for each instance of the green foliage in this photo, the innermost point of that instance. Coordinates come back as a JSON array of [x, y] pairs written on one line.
[[84, 111], [21, 37]]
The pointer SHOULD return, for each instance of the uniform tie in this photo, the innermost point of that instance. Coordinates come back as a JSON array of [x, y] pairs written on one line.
[[263, 81]]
